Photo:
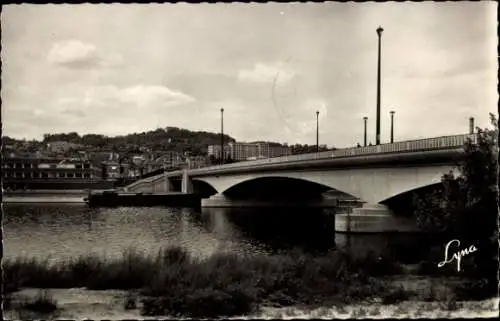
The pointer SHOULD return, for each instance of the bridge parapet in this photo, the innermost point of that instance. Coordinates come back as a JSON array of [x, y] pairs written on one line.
[[428, 144], [443, 142]]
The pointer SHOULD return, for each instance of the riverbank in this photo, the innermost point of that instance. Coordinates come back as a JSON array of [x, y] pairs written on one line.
[[46, 191], [44, 196], [173, 283], [84, 304]]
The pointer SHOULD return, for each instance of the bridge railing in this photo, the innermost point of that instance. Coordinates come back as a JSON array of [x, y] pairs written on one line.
[[404, 146], [442, 142]]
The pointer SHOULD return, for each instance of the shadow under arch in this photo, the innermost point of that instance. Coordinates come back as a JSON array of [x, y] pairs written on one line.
[[203, 188], [403, 204], [277, 188]]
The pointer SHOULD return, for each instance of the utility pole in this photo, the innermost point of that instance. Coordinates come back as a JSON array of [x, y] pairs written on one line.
[[379, 33], [222, 135], [317, 131], [365, 119], [392, 126]]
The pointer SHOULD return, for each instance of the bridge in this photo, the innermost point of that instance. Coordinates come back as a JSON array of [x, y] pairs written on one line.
[[374, 175]]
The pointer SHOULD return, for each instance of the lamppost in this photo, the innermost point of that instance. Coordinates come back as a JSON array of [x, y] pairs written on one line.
[[317, 131], [379, 33], [222, 135], [365, 119], [392, 126]]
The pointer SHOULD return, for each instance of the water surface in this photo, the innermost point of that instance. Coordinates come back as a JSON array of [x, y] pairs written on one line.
[[61, 231]]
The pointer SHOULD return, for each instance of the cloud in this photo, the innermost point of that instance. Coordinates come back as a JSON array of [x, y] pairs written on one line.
[[145, 95], [77, 54], [72, 52], [267, 73], [125, 102]]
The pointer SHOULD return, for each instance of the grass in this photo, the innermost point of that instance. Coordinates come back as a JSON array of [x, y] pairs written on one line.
[[174, 283], [473, 290], [42, 303], [90, 271], [395, 295], [6, 301]]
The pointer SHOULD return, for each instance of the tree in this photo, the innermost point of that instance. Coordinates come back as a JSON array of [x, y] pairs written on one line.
[[465, 207]]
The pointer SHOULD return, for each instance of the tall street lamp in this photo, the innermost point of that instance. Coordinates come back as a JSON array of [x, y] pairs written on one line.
[[379, 33], [222, 135], [365, 119], [317, 131], [392, 126]]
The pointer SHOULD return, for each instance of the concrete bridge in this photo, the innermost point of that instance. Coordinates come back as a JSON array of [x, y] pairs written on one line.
[[372, 174]]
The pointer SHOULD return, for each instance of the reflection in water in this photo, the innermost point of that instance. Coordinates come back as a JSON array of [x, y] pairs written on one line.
[[61, 231], [282, 228]]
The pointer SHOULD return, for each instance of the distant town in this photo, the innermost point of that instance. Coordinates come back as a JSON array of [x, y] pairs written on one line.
[[71, 161]]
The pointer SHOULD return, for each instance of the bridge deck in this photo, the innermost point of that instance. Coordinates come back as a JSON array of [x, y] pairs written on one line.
[[412, 146]]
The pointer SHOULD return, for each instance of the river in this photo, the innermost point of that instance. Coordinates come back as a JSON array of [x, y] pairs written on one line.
[[59, 231]]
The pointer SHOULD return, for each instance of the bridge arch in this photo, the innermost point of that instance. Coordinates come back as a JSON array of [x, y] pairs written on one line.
[[372, 185], [425, 183], [276, 187]]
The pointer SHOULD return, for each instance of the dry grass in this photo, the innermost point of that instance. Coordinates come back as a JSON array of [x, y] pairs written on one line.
[[174, 283]]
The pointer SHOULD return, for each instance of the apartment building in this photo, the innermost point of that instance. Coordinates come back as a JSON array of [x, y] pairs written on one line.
[[215, 151], [247, 151]]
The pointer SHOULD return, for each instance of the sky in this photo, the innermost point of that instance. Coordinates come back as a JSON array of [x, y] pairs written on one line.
[[124, 68]]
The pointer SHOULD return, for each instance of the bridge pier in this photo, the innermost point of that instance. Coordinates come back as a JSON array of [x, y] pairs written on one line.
[[187, 184], [372, 218]]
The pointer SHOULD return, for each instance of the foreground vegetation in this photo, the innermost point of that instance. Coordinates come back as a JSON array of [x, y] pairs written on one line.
[[465, 207], [174, 283], [43, 304]]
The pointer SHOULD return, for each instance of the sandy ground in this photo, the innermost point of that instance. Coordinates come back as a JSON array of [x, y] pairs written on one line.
[[79, 304]]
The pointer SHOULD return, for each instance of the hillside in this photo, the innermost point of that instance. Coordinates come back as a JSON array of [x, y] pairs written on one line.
[[170, 138]]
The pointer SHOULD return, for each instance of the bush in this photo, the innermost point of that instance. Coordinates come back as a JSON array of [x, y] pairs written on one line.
[[473, 290], [429, 266], [216, 303], [43, 303], [395, 295], [6, 301], [377, 265], [130, 302]]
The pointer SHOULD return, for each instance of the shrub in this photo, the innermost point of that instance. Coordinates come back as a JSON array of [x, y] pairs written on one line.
[[395, 295], [377, 265], [130, 303], [215, 303], [6, 301], [43, 303], [472, 290]]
